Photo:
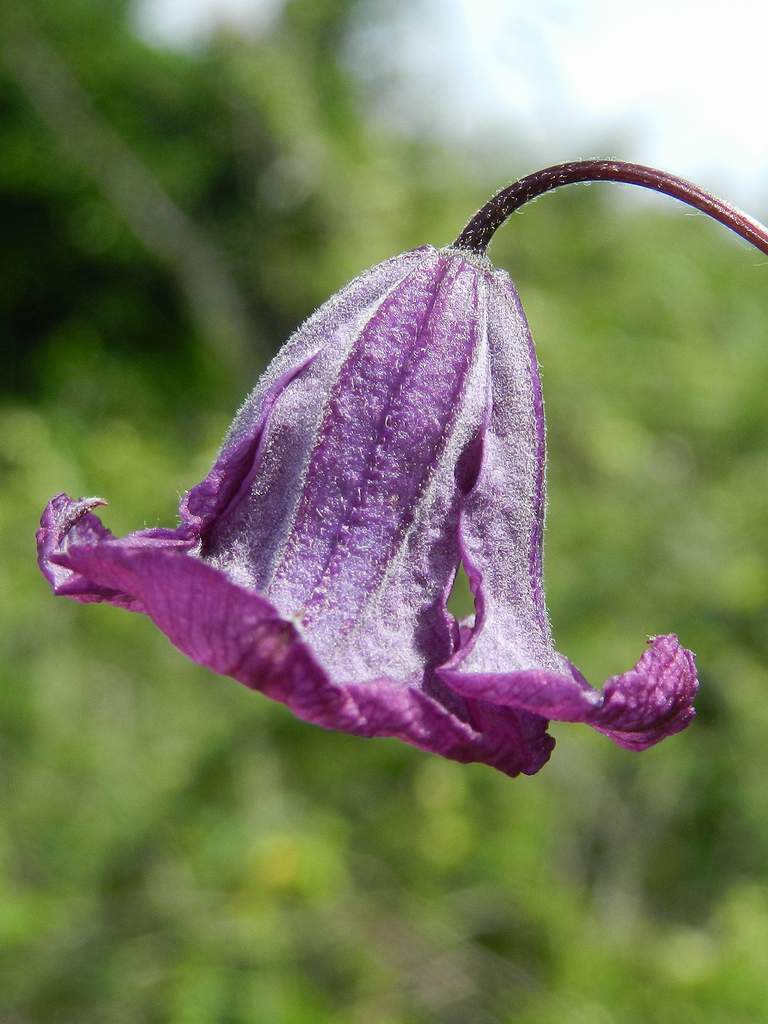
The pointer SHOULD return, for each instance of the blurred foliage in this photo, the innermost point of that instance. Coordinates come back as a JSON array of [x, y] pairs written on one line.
[[173, 848]]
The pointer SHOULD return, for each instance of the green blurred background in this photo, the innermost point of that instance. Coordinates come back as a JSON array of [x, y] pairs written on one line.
[[174, 848]]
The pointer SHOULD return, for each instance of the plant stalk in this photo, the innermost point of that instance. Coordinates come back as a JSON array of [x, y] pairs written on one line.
[[479, 231]]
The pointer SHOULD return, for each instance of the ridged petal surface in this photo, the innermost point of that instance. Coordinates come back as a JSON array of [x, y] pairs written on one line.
[[399, 432]]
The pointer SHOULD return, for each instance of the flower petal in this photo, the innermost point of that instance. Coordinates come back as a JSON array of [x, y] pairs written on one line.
[[233, 474], [219, 624], [636, 709], [502, 514], [66, 523], [237, 633], [512, 741], [247, 503], [371, 548]]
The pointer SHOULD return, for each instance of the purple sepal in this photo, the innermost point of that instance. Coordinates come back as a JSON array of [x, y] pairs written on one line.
[[398, 433], [236, 632], [635, 709]]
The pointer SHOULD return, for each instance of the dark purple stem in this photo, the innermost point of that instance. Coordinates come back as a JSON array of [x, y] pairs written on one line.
[[478, 233]]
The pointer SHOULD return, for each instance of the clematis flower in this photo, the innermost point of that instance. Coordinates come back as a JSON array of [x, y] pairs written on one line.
[[397, 435]]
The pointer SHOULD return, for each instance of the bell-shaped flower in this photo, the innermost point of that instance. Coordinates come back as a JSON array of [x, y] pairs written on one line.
[[397, 435]]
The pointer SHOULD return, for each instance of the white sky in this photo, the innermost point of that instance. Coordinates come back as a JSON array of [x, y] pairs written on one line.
[[676, 83]]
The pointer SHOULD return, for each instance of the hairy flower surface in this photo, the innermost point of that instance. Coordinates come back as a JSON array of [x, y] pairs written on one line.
[[398, 434]]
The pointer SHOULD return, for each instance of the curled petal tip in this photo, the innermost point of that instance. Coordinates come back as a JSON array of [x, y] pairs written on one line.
[[636, 709], [62, 513], [65, 519], [654, 699]]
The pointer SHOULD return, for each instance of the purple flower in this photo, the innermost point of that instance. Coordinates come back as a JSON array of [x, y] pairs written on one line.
[[397, 435]]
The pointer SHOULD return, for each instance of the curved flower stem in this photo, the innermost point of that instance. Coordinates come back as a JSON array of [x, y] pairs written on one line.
[[479, 231]]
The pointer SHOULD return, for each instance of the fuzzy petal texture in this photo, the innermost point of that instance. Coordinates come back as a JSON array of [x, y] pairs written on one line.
[[398, 433], [236, 632]]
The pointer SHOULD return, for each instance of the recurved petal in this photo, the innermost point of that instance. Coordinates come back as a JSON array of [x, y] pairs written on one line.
[[67, 522], [235, 632], [61, 519], [635, 709], [219, 624]]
